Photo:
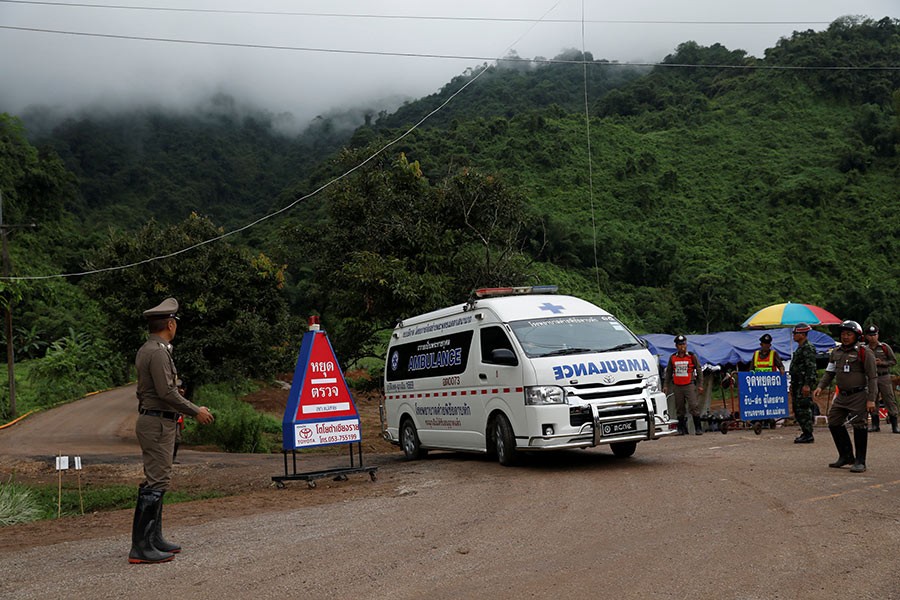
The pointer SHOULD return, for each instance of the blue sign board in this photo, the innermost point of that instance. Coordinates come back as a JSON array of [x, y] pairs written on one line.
[[763, 395]]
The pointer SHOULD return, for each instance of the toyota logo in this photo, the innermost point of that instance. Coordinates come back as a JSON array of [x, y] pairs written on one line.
[[609, 379]]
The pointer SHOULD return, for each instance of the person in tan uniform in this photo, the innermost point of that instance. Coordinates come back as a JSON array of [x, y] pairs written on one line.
[[159, 406], [852, 367], [884, 360]]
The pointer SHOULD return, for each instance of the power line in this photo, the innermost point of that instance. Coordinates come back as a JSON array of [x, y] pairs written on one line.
[[451, 56], [409, 17]]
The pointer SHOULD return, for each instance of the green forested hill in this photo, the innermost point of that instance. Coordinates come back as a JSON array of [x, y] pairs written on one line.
[[717, 191], [709, 191]]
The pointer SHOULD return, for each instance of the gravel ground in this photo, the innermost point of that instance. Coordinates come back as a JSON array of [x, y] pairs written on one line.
[[716, 516]]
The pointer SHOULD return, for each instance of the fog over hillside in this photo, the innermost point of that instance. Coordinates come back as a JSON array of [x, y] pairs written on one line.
[[300, 60]]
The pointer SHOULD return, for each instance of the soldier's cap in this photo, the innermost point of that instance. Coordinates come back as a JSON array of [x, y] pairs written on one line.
[[680, 339], [872, 330], [166, 309], [802, 328], [765, 338]]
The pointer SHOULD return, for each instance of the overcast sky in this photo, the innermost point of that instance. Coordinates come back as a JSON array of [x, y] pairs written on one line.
[[71, 72]]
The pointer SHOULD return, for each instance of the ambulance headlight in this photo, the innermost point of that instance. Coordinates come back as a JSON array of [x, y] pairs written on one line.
[[544, 394], [652, 384]]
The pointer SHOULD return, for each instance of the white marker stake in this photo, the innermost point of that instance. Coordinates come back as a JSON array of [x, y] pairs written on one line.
[[78, 472], [62, 464]]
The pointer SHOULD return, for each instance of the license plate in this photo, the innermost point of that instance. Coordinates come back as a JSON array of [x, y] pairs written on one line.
[[618, 428]]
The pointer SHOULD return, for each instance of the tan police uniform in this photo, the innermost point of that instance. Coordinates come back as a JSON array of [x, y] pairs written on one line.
[[159, 402], [885, 385], [856, 380]]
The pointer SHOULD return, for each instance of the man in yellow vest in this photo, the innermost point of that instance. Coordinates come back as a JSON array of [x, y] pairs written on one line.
[[766, 359]]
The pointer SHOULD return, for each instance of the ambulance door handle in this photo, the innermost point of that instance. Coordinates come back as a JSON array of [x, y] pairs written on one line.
[[482, 376]]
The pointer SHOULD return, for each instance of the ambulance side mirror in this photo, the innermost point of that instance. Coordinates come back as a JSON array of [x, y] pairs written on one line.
[[504, 356]]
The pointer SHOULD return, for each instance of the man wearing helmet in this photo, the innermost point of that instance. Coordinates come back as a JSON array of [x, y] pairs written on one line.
[[803, 380], [683, 372], [884, 360], [852, 367]]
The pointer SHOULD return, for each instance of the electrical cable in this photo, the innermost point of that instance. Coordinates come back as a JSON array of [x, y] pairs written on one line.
[[590, 163], [407, 17], [508, 59]]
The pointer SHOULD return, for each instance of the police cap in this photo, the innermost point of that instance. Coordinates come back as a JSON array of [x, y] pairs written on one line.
[[872, 330], [765, 338], [680, 339], [802, 328], [164, 310]]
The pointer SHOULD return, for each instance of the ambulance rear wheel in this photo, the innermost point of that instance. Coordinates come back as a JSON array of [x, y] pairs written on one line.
[[505, 442], [623, 449], [409, 441]]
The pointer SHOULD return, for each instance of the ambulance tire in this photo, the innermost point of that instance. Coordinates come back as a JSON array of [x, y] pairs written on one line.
[[505, 442], [623, 449], [409, 441]]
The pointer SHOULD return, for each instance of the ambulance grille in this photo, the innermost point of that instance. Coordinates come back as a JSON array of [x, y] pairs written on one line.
[[596, 391]]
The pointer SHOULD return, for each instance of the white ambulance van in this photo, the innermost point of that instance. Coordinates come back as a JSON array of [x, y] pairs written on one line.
[[520, 369]]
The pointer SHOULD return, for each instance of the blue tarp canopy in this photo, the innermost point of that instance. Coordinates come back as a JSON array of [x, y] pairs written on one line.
[[733, 347]]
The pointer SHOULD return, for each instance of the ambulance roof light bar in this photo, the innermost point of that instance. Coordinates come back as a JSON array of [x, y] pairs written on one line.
[[514, 291]]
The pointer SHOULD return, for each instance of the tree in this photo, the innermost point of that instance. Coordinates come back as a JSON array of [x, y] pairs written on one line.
[[392, 245], [234, 318]]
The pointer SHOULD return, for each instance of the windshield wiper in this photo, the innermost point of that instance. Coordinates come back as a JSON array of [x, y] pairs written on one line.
[[565, 351], [621, 347]]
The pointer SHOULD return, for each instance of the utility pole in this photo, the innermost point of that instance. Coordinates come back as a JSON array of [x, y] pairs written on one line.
[[10, 352]]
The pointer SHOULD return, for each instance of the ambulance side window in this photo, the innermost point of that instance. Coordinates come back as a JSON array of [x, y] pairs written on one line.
[[494, 338]]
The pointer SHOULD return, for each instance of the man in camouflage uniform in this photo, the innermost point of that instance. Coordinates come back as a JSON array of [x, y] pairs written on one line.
[[884, 360], [852, 367], [803, 380]]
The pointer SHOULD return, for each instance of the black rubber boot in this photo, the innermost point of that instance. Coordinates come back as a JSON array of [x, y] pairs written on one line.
[[861, 439], [142, 550], [156, 538], [698, 426], [843, 445], [893, 421], [876, 424], [682, 426]]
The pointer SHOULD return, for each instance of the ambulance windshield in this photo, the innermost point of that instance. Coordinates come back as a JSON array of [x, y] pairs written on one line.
[[557, 336]]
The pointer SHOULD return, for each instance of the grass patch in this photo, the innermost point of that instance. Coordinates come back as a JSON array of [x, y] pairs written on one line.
[[238, 427], [23, 503]]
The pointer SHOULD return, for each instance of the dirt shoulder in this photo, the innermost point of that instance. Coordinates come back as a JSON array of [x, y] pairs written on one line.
[[100, 429]]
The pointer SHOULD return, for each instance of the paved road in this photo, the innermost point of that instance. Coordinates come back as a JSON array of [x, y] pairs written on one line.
[[737, 516], [98, 425]]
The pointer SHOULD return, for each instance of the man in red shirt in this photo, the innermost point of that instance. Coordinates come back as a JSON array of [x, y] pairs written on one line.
[[683, 376]]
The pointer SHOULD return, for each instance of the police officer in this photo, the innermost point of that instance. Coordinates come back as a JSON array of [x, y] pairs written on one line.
[[852, 367], [803, 380], [884, 360], [159, 406], [683, 372]]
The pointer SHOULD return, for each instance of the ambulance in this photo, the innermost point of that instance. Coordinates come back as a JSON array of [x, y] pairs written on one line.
[[517, 370]]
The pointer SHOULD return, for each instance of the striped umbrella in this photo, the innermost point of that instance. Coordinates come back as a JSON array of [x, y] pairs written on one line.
[[789, 313]]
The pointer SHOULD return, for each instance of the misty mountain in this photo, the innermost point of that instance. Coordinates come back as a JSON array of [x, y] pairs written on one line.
[[709, 190]]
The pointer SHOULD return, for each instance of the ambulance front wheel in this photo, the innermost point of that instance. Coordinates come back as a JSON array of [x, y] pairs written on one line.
[[409, 441], [623, 449], [505, 442]]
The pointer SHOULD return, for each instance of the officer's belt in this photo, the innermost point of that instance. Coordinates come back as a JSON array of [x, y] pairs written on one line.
[[855, 390], [165, 414], [880, 374]]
